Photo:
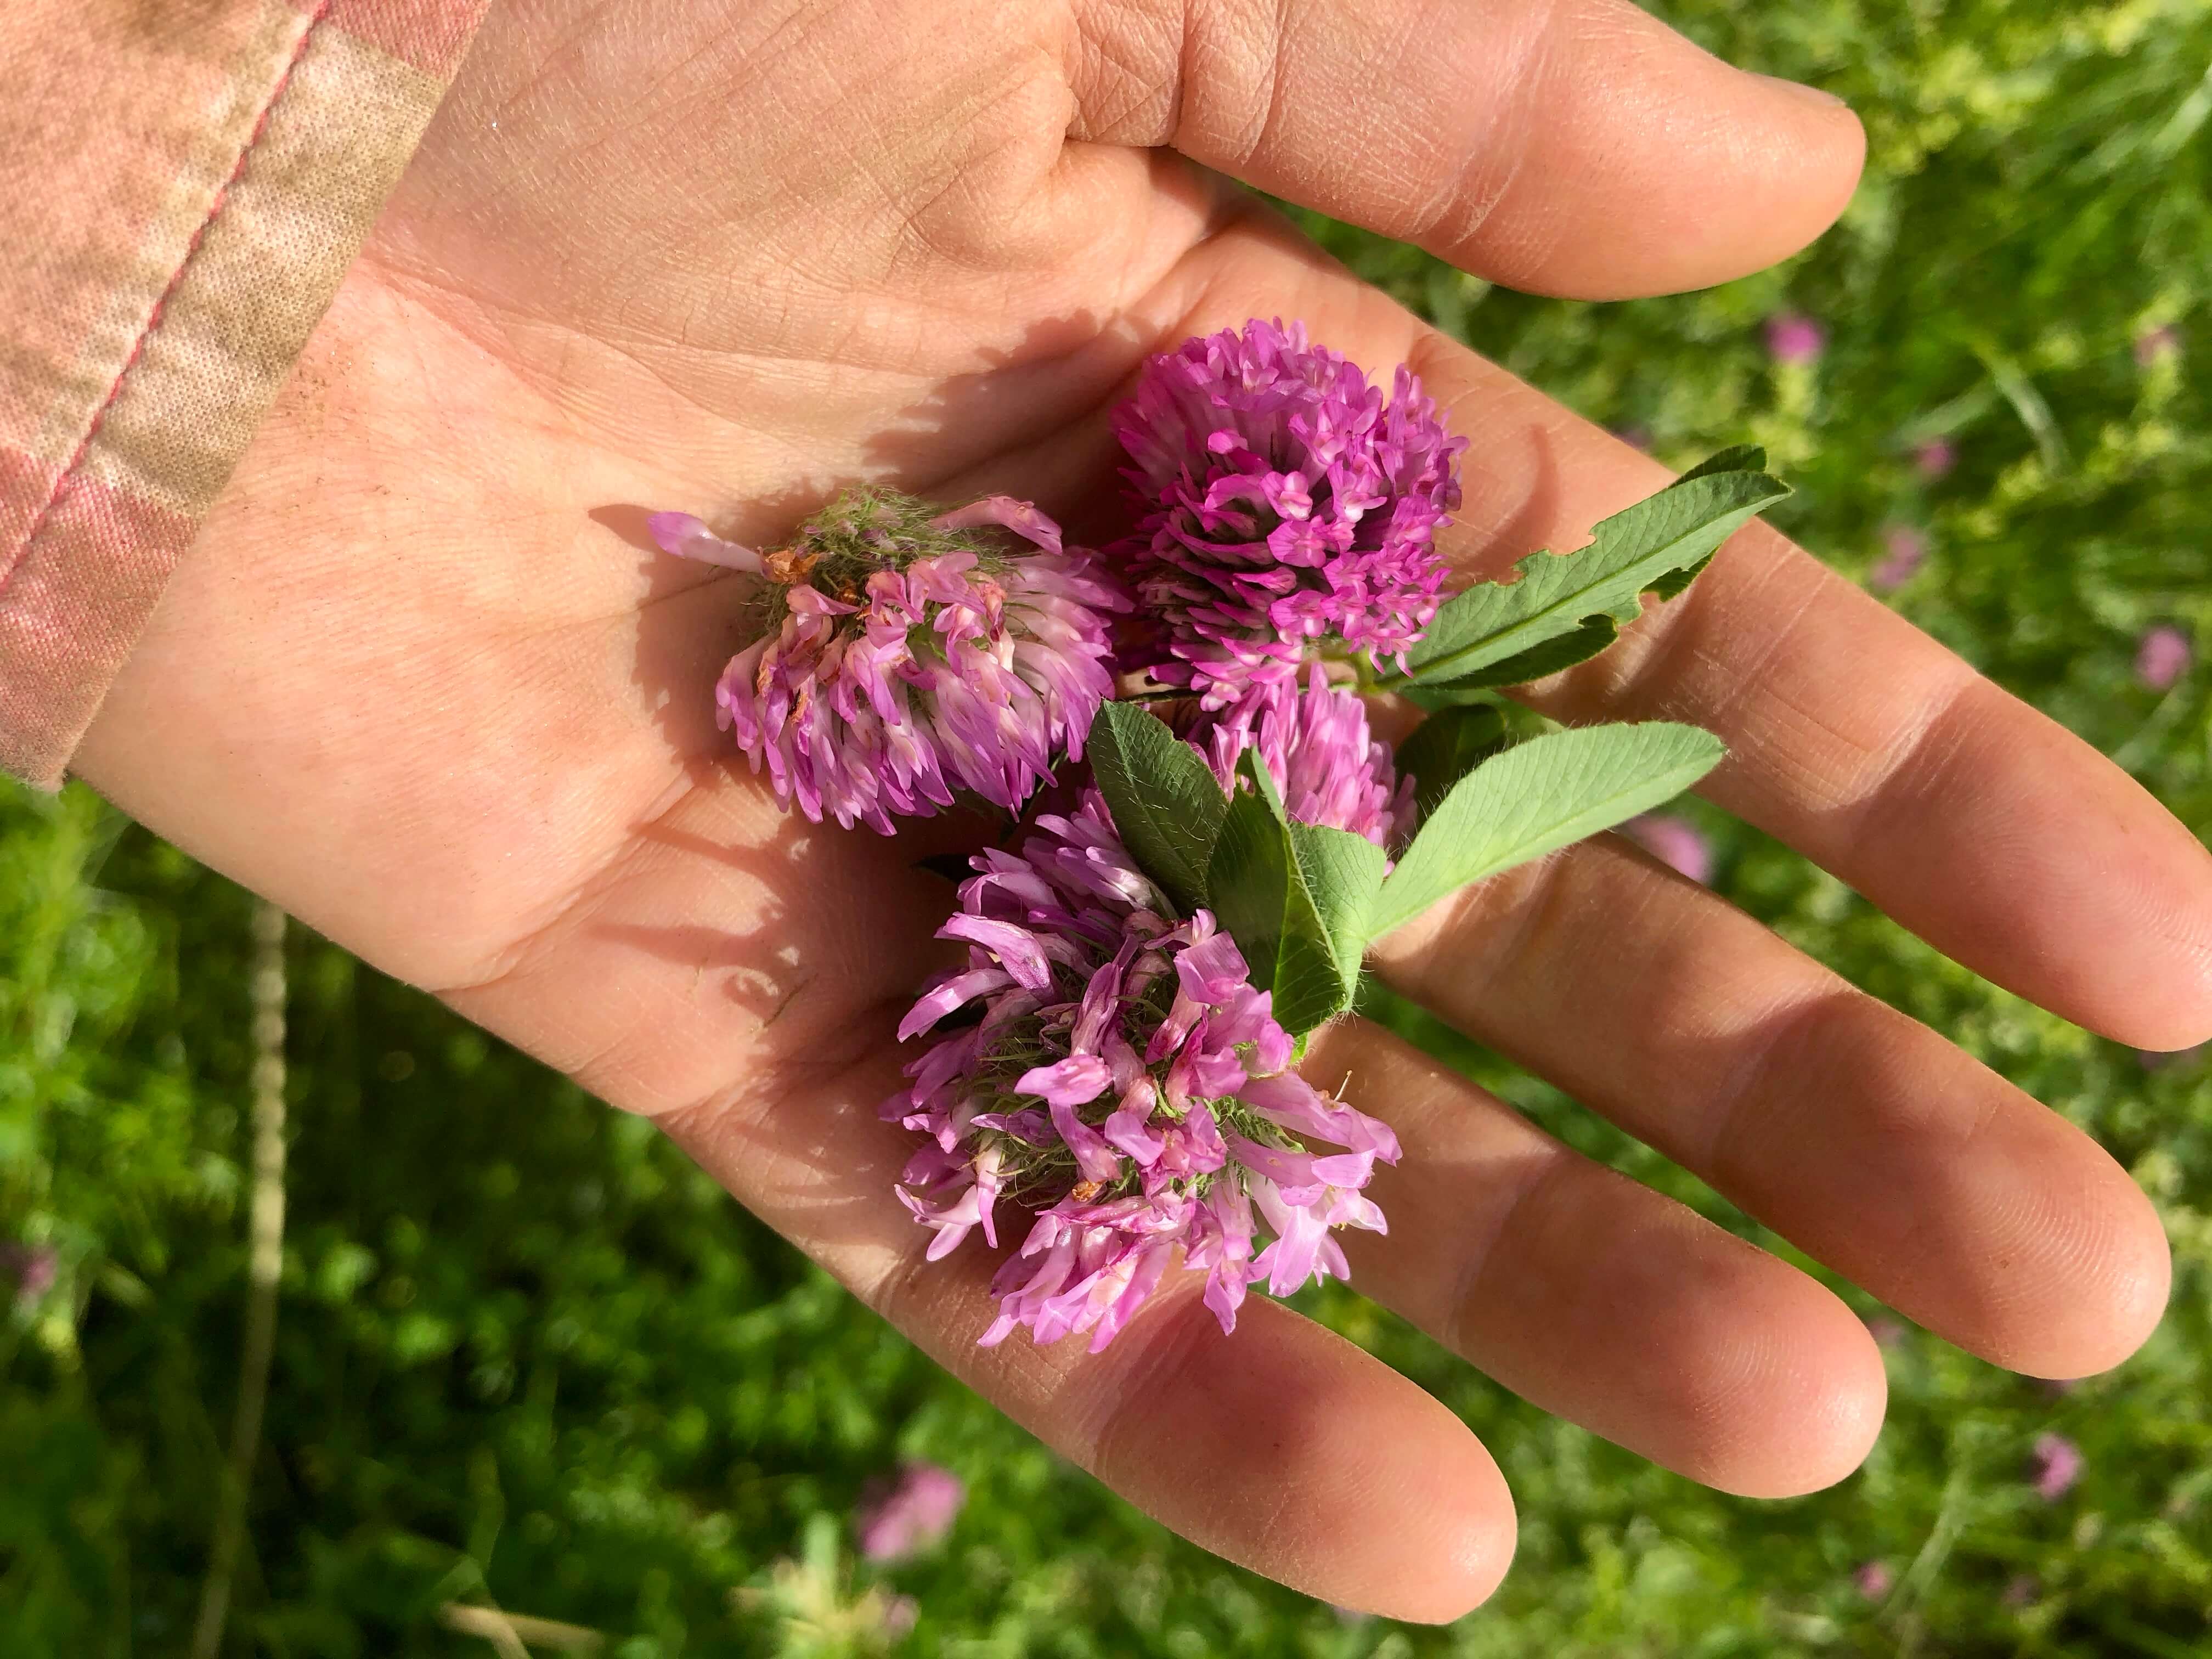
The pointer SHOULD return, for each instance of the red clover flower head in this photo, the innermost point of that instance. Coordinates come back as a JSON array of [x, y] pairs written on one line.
[[1285, 505], [1315, 742], [1121, 1077], [901, 653]]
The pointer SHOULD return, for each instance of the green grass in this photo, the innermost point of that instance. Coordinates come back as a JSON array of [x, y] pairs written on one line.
[[526, 1354]]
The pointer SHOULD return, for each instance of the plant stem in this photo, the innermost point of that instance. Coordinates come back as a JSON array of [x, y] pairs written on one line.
[[265, 1264], [518, 1629]]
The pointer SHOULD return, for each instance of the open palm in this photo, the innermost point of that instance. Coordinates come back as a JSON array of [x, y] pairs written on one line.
[[424, 682]]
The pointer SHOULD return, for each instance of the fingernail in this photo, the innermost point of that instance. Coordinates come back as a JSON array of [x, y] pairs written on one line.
[[1809, 94]]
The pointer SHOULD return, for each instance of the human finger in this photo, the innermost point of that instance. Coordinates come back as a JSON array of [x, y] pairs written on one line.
[[1583, 148], [1594, 1297], [1853, 1130], [1984, 826]]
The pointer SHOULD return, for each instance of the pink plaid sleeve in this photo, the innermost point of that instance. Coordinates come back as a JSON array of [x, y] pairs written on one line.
[[183, 183]]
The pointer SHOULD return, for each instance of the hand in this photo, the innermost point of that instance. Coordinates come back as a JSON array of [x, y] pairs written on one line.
[[424, 682]]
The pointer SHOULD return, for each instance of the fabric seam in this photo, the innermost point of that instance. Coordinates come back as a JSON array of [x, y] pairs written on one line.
[[154, 316]]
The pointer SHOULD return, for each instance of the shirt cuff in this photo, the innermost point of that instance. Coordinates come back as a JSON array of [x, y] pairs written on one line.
[[189, 185]]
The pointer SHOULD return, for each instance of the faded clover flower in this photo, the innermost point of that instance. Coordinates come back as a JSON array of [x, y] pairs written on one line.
[[1286, 508], [1121, 1076], [901, 654], [811, 1607]]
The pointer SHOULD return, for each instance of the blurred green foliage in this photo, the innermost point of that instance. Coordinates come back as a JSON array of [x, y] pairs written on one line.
[[529, 1357]]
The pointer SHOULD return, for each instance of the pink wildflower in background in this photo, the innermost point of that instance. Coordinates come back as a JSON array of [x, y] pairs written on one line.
[[2058, 1465], [1794, 338], [1887, 1332], [1934, 456], [1315, 742], [1906, 549], [1285, 506], [2157, 1060], [2023, 1590], [908, 1514], [2156, 345], [2162, 657], [902, 657], [1874, 1580], [1122, 1077], [33, 1267], [1674, 841]]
